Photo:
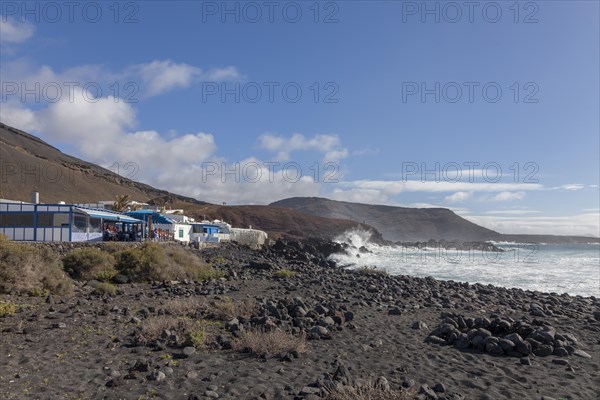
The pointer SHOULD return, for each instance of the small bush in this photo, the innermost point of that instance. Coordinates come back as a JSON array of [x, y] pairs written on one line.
[[184, 307], [105, 288], [28, 269], [285, 273], [39, 292], [152, 328], [152, 261], [90, 263], [369, 391], [228, 309], [196, 337], [262, 343], [7, 309], [199, 333]]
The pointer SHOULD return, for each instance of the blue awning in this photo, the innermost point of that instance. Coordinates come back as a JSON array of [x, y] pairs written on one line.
[[157, 218], [108, 216]]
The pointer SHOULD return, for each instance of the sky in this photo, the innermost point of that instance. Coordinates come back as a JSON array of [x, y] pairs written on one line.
[[490, 109]]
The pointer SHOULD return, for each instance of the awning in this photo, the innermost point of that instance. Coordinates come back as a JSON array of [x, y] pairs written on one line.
[[157, 218], [108, 216]]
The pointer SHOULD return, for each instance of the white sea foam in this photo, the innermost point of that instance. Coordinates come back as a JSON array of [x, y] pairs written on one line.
[[567, 268]]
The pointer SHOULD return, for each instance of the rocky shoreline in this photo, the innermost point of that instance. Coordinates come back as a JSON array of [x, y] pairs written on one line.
[[422, 337]]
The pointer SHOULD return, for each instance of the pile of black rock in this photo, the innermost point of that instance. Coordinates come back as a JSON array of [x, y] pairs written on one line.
[[504, 336]]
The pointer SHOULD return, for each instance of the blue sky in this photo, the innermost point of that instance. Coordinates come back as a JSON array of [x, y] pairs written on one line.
[[178, 98]]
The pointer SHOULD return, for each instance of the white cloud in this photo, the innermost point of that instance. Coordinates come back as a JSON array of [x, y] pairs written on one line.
[[397, 187], [512, 212], [357, 195], [587, 224], [141, 80], [14, 114], [457, 197], [12, 31], [571, 186], [158, 77], [329, 145], [246, 182], [507, 196]]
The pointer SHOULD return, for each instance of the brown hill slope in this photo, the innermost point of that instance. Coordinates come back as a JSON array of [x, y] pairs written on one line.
[[278, 221], [28, 164]]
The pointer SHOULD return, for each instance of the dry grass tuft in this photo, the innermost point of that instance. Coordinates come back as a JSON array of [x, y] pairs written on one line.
[[369, 391], [152, 328], [228, 309], [261, 343], [26, 269], [284, 273], [187, 307], [189, 332]]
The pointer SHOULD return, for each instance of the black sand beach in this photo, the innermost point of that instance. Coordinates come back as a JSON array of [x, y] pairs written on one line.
[[359, 326]]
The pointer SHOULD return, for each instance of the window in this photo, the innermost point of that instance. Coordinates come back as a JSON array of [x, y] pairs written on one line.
[[24, 219], [95, 226], [61, 220], [181, 233], [79, 223], [7, 220], [44, 220]]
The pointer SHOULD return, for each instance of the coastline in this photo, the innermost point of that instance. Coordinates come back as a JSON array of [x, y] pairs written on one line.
[[374, 325]]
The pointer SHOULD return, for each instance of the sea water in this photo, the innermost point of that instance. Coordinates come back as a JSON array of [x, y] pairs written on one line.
[[554, 268]]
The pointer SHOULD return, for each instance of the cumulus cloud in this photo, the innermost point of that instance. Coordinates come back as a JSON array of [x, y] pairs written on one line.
[[508, 196], [457, 197], [329, 145], [249, 181], [12, 31], [162, 76], [141, 80]]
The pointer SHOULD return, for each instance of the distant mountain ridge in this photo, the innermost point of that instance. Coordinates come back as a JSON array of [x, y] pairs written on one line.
[[402, 224]]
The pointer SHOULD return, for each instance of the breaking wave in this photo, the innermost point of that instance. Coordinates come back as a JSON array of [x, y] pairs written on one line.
[[571, 269]]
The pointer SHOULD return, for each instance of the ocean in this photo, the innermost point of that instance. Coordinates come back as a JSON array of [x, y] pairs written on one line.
[[553, 268]]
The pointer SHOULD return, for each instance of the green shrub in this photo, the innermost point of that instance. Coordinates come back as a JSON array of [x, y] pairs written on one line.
[[90, 263], [284, 273], [196, 337], [39, 292], [152, 261], [25, 268], [105, 288], [7, 309]]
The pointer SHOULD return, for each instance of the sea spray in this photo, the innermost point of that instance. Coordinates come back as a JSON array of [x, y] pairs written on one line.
[[355, 237], [571, 268]]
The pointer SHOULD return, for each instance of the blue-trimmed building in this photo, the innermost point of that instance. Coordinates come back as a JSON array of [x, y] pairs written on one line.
[[21, 221]]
